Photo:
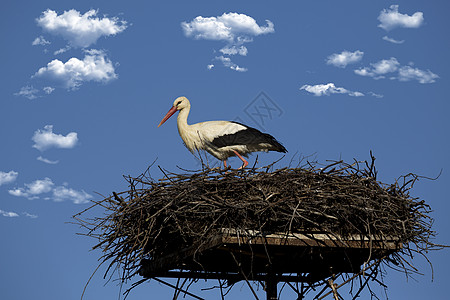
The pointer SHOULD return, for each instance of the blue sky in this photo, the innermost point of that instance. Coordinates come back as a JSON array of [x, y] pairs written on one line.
[[85, 83]]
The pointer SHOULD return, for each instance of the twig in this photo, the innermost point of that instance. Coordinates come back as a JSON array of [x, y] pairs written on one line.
[[174, 287]]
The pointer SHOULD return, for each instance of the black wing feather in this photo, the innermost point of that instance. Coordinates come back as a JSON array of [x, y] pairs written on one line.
[[250, 136]]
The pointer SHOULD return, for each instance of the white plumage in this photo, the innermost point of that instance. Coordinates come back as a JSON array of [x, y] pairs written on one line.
[[222, 139]]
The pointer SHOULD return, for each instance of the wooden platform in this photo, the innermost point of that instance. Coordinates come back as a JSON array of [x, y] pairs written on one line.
[[296, 257]]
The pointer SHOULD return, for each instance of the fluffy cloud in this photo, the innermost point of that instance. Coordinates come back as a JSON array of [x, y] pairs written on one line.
[[61, 193], [379, 69], [391, 40], [33, 189], [62, 50], [29, 215], [390, 18], [376, 95], [8, 177], [80, 30], [9, 214], [44, 139], [95, 66], [32, 93], [28, 92], [48, 90], [229, 64], [40, 40], [408, 73], [344, 58], [233, 50], [392, 67], [328, 89], [47, 161], [232, 28]]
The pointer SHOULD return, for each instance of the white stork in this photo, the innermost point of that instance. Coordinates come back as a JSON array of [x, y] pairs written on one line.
[[222, 139]]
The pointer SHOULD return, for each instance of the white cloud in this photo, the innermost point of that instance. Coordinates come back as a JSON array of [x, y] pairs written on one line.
[[33, 189], [229, 64], [48, 89], [391, 66], [408, 73], [62, 193], [47, 161], [328, 89], [18, 192], [8, 177], [44, 139], [379, 69], [233, 50], [391, 40], [80, 30], [29, 215], [9, 214], [230, 27], [28, 92], [355, 94], [390, 18], [62, 50], [39, 186], [210, 66], [376, 95], [95, 66], [40, 40], [344, 58]]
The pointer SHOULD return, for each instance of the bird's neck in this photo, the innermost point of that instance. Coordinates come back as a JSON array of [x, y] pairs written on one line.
[[182, 119]]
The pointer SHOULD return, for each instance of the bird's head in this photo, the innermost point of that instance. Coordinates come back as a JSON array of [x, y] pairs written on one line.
[[178, 104], [181, 102]]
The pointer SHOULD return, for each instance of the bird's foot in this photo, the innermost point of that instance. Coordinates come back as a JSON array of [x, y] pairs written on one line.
[[243, 166]]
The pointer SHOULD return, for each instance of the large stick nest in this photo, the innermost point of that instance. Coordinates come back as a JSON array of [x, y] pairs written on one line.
[[156, 217]]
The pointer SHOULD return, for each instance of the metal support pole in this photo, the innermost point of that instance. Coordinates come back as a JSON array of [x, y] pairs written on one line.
[[271, 287]]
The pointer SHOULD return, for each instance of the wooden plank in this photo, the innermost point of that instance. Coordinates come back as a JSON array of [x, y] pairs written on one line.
[[233, 277], [252, 237], [309, 250], [310, 242], [171, 260]]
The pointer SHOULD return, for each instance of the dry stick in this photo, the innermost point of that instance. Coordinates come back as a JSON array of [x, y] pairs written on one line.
[[245, 277], [120, 229], [363, 285], [84, 290], [293, 288], [333, 288], [127, 292], [252, 169], [165, 174], [281, 290], [174, 287], [221, 289], [181, 286], [351, 278], [324, 288], [175, 295]]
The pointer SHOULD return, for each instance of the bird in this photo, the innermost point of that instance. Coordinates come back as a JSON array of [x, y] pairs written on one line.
[[221, 139]]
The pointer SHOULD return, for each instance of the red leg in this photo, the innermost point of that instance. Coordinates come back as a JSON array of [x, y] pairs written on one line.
[[243, 160], [225, 164]]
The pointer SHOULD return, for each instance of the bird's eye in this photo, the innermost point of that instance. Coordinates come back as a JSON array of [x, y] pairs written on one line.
[[178, 103]]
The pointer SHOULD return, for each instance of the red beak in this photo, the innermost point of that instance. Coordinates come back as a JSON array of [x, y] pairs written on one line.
[[168, 115]]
